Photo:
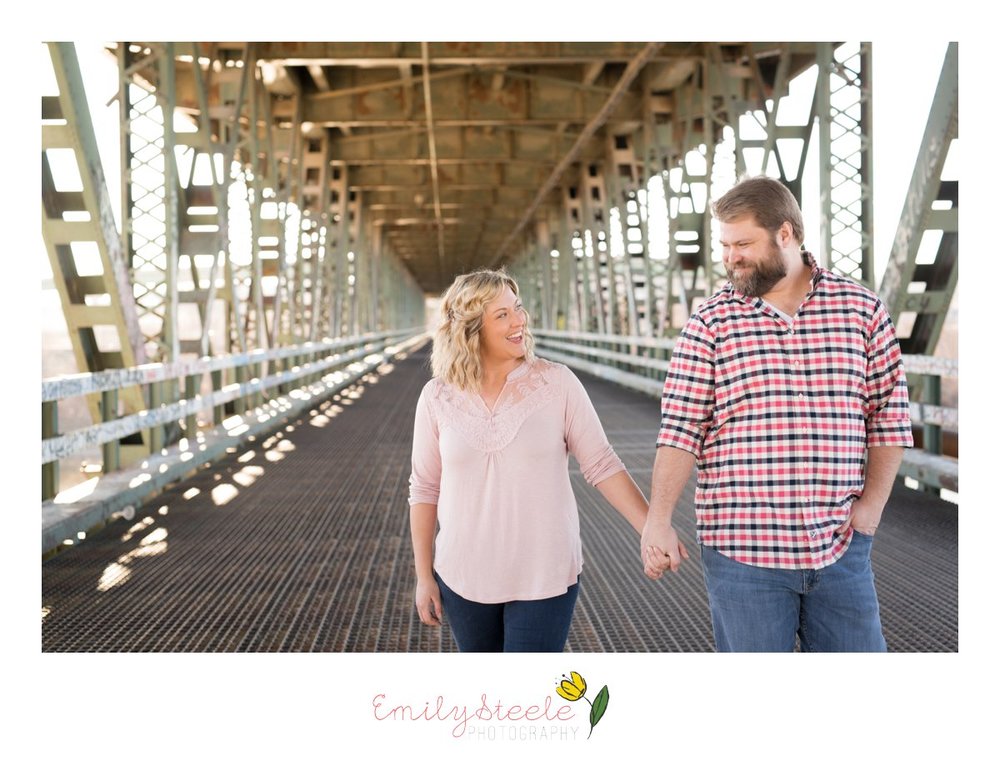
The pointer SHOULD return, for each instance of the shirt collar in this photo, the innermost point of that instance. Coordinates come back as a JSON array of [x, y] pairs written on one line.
[[816, 272]]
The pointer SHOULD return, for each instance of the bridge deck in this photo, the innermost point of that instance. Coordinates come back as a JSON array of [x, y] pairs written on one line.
[[301, 543]]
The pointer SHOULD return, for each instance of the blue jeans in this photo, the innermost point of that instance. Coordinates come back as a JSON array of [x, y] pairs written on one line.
[[833, 609], [519, 626]]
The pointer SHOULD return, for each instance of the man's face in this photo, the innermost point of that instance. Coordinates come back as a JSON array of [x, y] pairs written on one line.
[[752, 257]]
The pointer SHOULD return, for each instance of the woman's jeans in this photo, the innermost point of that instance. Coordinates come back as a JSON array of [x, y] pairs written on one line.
[[833, 609], [519, 626]]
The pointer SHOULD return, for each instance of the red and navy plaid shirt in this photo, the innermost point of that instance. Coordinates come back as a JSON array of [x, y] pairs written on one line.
[[779, 417]]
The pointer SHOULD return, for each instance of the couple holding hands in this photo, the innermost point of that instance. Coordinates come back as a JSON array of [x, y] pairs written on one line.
[[786, 389]]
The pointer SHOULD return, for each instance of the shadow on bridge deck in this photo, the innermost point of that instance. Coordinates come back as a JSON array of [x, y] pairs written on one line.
[[300, 542]]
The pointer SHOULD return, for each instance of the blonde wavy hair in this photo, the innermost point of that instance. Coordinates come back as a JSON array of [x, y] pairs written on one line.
[[455, 358]]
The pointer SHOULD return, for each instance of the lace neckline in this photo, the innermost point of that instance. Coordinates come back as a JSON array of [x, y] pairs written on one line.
[[520, 369], [529, 387]]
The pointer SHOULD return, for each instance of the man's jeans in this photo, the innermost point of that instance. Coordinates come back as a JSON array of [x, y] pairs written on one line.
[[833, 609]]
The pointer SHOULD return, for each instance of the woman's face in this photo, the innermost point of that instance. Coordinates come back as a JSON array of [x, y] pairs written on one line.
[[502, 335]]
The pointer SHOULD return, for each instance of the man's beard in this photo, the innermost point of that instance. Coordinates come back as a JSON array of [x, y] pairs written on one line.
[[756, 280]]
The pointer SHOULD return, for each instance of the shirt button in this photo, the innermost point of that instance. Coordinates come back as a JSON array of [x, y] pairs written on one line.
[[801, 396], [813, 534]]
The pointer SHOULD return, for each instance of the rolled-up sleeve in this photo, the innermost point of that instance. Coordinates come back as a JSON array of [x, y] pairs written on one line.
[[887, 405], [425, 472], [585, 437], [688, 399]]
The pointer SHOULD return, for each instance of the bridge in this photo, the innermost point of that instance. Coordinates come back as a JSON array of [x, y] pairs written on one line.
[[225, 467]]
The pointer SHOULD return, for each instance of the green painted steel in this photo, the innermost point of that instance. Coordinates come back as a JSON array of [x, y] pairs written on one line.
[[918, 295], [96, 305], [356, 199]]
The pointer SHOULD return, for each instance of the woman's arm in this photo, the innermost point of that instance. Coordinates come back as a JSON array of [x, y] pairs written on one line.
[[625, 497], [425, 487], [423, 521], [620, 490]]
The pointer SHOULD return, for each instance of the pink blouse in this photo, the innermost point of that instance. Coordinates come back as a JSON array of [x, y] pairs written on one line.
[[509, 528]]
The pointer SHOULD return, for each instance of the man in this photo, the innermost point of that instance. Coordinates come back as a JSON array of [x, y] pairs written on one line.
[[786, 388]]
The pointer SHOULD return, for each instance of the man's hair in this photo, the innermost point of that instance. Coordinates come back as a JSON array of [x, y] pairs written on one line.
[[455, 357], [765, 199]]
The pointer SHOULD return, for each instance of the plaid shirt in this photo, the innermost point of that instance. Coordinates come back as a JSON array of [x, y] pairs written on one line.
[[779, 417]]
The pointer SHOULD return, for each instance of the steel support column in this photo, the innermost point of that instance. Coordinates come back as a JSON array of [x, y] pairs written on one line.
[[149, 192], [843, 95], [918, 293], [594, 225], [99, 305], [544, 255], [342, 201], [204, 209]]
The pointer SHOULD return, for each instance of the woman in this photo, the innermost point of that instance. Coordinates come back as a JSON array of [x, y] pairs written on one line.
[[491, 443]]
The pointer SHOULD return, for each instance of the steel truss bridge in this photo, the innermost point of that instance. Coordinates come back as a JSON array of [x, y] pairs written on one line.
[[288, 212]]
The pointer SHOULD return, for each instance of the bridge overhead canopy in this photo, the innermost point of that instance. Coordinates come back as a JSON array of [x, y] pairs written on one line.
[[452, 149], [279, 196]]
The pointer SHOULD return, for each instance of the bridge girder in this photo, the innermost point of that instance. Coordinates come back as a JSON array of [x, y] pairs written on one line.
[[416, 161]]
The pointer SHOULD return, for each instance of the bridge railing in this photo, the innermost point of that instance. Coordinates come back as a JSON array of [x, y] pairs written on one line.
[[641, 363], [252, 393]]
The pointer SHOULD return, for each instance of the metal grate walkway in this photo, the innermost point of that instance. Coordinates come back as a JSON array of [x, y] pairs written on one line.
[[300, 542]]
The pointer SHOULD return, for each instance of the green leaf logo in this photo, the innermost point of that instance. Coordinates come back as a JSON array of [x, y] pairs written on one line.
[[597, 708]]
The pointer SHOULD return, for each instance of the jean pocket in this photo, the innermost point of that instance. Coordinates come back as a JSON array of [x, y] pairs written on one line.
[[862, 544]]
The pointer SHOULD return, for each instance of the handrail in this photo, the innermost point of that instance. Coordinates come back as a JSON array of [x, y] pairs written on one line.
[[645, 373], [173, 394], [918, 364], [120, 490], [646, 341], [65, 386], [58, 447], [614, 356]]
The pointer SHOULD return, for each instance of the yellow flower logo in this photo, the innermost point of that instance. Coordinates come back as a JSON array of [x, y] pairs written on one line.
[[575, 687], [572, 690]]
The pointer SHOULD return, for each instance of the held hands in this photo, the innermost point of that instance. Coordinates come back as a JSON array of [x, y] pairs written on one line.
[[662, 550], [428, 600]]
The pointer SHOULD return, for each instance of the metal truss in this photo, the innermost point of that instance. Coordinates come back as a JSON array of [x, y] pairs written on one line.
[[844, 110], [741, 103], [638, 291], [533, 272], [918, 285], [314, 198], [204, 209], [594, 232], [429, 159], [341, 211], [150, 192], [85, 251], [704, 126], [234, 231]]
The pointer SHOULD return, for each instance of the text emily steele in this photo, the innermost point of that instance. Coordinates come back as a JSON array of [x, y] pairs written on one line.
[[461, 715]]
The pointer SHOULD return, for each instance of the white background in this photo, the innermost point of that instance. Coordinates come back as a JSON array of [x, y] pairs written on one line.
[[669, 705]]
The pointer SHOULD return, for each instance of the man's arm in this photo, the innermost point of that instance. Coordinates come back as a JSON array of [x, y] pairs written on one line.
[[880, 473], [671, 471], [687, 408]]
